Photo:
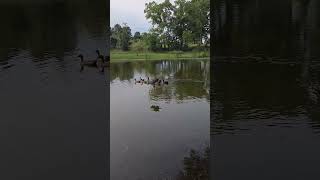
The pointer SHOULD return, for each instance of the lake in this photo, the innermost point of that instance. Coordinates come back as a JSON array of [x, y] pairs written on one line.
[[154, 127], [54, 118], [265, 90]]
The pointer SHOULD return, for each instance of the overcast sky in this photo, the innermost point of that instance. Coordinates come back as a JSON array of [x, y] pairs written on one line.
[[130, 12]]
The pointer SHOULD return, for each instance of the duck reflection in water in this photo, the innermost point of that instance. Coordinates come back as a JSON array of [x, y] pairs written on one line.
[[151, 82]]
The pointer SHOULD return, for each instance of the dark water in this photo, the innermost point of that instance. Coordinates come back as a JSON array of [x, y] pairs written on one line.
[[151, 143], [265, 94], [54, 119]]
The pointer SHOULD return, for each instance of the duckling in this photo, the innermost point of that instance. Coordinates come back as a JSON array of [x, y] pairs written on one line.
[[159, 82], [136, 81], [142, 80], [155, 108], [148, 80], [153, 82], [88, 62]]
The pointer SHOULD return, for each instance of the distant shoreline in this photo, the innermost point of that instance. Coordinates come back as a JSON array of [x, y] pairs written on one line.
[[131, 60], [122, 56]]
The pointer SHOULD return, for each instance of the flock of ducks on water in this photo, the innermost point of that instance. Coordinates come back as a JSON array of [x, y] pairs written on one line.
[[100, 62], [151, 82], [154, 82]]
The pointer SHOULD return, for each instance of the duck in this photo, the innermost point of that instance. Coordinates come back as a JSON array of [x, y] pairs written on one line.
[[105, 63], [165, 82], [99, 55], [92, 63], [107, 58], [100, 64], [102, 61]]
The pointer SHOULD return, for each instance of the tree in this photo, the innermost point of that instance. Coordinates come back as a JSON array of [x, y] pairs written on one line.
[[137, 36], [138, 46], [161, 16], [180, 22], [125, 37], [115, 36], [121, 36], [187, 37], [199, 20], [113, 42], [152, 41]]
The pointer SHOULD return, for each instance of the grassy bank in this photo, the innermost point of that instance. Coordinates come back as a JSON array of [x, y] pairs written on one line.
[[117, 55]]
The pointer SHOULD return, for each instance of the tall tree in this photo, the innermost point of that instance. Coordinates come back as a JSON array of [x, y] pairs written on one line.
[[161, 16], [125, 37], [198, 18], [180, 22], [137, 35], [121, 36], [115, 35]]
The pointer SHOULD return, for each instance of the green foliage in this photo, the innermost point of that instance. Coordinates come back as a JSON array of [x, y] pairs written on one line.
[[199, 20], [118, 55], [188, 37], [137, 36], [115, 35], [175, 27], [125, 37], [180, 23], [120, 37], [151, 41], [138, 46], [113, 42]]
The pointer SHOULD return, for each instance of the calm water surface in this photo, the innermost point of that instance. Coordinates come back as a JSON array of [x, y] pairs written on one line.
[[265, 94], [54, 118], [151, 144]]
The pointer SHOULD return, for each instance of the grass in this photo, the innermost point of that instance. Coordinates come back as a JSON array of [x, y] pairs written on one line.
[[118, 55]]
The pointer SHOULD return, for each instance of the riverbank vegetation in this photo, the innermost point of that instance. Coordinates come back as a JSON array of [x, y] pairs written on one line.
[[119, 55], [196, 165], [179, 30]]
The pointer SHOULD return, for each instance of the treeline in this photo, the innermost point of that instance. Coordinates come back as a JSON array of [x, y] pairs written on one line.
[[181, 25]]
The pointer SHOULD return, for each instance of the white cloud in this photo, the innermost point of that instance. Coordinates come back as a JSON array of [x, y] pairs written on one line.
[[130, 12]]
